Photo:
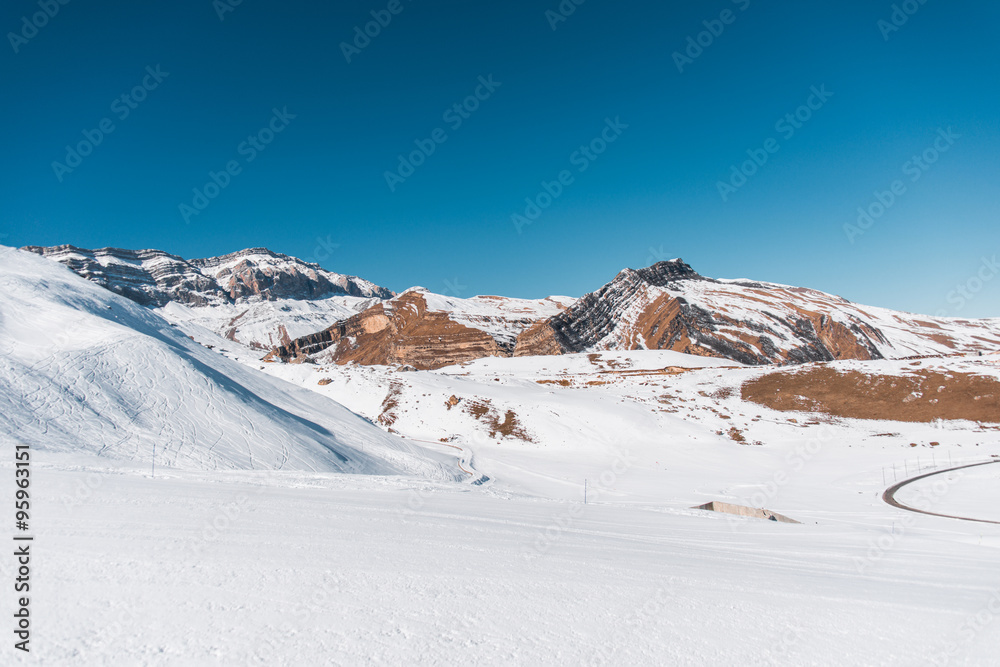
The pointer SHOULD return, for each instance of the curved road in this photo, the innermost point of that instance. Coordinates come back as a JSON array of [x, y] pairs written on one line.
[[890, 494]]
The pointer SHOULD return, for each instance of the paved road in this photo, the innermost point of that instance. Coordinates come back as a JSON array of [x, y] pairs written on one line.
[[890, 494]]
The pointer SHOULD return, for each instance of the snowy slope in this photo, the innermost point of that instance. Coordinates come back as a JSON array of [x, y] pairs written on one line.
[[541, 425], [351, 570], [82, 369], [268, 324]]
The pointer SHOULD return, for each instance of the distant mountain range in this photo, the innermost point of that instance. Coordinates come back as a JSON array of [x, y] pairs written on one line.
[[155, 278], [297, 312], [256, 297]]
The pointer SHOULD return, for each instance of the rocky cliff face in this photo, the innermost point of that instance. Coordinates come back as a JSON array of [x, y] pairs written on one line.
[[425, 331], [667, 306], [258, 272], [156, 278]]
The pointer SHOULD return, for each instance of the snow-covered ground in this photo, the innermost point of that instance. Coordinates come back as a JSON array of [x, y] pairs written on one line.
[[295, 568], [467, 540], [266, 324]]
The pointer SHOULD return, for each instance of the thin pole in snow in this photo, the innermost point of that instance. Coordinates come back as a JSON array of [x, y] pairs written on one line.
[[883, 475]]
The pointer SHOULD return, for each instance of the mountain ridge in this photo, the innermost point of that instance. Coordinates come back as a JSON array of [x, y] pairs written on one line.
[[665, 306], [155, 277]]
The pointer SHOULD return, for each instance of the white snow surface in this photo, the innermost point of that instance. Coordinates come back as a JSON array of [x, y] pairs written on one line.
[[205, 566], [263, 324]]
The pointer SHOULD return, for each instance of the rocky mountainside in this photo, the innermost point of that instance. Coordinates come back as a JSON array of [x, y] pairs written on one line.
[[667, 306], [426, 330], [256, 297], [296, 310], [156, 278]]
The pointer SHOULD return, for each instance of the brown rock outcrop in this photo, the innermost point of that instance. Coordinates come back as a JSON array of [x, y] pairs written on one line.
[[402, 331]]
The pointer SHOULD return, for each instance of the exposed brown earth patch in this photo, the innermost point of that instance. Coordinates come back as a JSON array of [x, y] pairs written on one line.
[[507, 426], [406, 333], [919, 396], [388, 415]]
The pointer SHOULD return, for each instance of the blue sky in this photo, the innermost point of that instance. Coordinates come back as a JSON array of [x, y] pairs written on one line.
[[598, 99]]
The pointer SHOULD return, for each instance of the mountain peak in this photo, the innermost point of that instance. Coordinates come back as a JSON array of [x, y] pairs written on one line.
[[241, 254], [662, 274], [154, 277]]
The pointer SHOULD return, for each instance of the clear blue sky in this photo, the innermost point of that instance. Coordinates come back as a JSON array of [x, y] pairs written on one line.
[[319, 189]]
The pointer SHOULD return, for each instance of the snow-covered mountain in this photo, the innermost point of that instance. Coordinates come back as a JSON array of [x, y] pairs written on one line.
[[155, 278], [85, 370], [296, 310], [667, 306], [426, 330], [256, 297]]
